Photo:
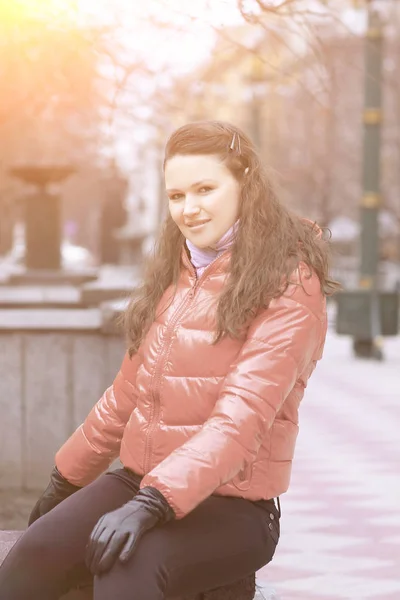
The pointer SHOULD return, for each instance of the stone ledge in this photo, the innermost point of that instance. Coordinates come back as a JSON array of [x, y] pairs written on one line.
[[89, 319], [36, 296], [52, 276], [102, 319], [7, 541]]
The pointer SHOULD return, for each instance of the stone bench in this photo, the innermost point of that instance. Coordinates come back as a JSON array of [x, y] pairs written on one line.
[[243, 590]]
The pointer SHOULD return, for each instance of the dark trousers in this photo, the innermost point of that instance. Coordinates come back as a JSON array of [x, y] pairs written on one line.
[[218, 543]]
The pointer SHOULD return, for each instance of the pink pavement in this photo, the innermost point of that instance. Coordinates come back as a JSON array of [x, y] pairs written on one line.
[[341, 516]]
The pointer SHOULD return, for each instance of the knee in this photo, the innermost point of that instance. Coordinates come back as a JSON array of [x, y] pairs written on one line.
[[143, 577], [125, 583]]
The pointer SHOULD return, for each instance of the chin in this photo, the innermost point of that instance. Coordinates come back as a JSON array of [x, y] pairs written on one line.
[[203, 239], [203, 243]]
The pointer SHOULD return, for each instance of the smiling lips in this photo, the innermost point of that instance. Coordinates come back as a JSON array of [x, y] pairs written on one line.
[[198, 223]]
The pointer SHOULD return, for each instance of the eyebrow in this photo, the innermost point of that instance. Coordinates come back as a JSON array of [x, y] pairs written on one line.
[[193, 184]]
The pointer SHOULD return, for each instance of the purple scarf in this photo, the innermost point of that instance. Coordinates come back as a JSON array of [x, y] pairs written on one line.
[[202, 257]]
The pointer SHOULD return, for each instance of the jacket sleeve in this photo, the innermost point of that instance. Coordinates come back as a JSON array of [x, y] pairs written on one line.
[[95, 444], [282, 343]]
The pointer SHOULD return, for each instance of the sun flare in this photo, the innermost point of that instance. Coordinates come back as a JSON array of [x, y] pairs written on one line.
[[22, 10]]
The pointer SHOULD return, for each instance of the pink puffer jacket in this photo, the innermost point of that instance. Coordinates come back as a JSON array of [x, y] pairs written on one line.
[[197, 419]]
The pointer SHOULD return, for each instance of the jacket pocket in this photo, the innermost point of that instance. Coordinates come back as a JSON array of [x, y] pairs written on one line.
[[242, 481]]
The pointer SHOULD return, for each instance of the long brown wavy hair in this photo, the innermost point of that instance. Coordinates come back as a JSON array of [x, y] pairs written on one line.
[[269, 244]]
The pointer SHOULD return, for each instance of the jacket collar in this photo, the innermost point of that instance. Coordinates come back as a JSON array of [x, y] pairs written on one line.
[[202, 257], [221, 263]]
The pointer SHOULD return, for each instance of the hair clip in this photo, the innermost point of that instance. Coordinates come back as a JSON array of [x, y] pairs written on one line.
[[233, 143]]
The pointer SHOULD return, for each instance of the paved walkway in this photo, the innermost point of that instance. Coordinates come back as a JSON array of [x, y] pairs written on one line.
[[341, 517]]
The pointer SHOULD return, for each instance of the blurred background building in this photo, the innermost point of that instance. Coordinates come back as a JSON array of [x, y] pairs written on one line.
[[296, 85]]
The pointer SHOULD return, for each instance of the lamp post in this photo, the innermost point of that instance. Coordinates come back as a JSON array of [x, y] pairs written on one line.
[[369, 313], [371, 346]]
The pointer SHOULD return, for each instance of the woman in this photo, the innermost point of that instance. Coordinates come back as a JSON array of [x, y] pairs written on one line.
[[223, 336]]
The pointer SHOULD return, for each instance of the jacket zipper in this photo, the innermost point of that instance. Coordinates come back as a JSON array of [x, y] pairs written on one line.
[[160, 363]]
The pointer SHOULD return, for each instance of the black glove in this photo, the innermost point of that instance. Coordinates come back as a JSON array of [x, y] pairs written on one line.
[[116, 534], [57, 490]]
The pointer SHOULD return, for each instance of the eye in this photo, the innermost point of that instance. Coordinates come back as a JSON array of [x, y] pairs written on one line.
[[175, 197], [205, 189]]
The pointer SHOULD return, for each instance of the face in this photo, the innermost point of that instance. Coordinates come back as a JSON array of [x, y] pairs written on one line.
[[203, 197]]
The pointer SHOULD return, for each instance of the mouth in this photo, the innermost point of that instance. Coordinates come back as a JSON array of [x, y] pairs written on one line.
[[198, 226]]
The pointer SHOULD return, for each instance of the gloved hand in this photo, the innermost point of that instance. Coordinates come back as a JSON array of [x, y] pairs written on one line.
[[57, 490], [116, 534]]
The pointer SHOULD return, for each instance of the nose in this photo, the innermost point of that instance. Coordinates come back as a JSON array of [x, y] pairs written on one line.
[[191, 207]]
